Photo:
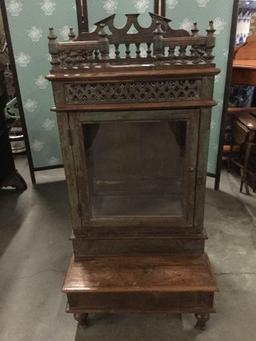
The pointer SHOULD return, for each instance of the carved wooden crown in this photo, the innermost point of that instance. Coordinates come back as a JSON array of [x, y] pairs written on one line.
[[109, 46]]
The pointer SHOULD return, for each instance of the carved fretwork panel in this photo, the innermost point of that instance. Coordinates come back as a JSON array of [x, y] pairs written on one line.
[[136, 91]]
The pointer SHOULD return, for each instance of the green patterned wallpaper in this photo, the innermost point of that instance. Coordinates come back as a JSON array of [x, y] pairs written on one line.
[[120, 7], [184, 13], [29, 22]]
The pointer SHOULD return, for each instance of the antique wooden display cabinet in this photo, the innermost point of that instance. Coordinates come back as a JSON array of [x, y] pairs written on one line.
[[134, 112]]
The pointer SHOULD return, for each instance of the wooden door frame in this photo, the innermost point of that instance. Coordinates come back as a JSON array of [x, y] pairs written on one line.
[[147, 224]]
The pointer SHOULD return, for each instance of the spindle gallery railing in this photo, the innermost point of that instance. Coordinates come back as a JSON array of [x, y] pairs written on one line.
[[109, 46]]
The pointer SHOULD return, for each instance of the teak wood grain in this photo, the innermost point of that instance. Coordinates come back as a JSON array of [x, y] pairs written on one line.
[[136, 284], [136, 274]]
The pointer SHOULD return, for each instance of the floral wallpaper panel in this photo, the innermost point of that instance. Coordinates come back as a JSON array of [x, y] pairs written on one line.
[[202, 11], [104, 8], [29, 21]]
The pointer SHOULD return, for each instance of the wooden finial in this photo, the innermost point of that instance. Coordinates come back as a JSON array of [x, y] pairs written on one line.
[[71, 34], [104, 43], [158, 41], [195, 29], [210, 42], [210, 30], [53, 47], [52, 36], [102, 33], [158, 30]]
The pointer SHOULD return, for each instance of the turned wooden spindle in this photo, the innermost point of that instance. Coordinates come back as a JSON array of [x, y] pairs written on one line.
[[158, 41], [210, 41], [117, 52], [138, 51], [195, 30], [104, 43], [53, 48], [71, 34], [211, 30], [127, 51], [182, 54], [149, 51]]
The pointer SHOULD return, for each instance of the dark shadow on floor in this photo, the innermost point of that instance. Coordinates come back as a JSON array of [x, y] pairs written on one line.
[[11, 216], [136, 327], [54, 195]]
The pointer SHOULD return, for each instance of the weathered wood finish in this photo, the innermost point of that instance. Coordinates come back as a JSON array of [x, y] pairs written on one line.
[[179, 245], [141, 284], [146, 261]]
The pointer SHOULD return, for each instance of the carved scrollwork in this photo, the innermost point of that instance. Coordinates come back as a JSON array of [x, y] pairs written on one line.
[[132, 24]]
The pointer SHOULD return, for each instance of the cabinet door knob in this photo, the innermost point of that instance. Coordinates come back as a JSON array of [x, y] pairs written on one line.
[[191, 169]]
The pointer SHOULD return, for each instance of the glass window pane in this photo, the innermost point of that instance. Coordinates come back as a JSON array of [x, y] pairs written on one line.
[[136, 168]]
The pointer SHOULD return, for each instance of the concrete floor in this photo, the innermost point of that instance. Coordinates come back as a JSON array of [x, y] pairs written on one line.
[[35, 251]]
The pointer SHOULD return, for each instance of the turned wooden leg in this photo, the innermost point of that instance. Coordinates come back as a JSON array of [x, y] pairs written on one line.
[[201, 321], [82, 319]]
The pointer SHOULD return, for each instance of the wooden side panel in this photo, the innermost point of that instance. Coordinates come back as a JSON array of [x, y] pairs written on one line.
[[80, 170], [68, 158], [189, 176], [207, 87], [141, 246], [203, 147], [190, 302]]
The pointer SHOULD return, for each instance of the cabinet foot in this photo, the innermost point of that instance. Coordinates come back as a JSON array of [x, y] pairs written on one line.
[[82, 319], [202, 319]]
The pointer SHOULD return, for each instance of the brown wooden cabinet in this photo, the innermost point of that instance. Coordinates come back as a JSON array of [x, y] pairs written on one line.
[[134, 114]]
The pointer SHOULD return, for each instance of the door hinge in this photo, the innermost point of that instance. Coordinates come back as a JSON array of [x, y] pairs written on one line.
[[70, 137]]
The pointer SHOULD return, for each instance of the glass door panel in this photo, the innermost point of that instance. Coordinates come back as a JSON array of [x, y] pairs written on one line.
[[136, 168]]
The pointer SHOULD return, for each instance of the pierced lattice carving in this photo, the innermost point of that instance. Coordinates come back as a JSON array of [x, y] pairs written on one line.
[[139, 91]]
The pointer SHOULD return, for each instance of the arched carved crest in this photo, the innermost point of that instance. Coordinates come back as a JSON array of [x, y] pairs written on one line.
[[132, 22]]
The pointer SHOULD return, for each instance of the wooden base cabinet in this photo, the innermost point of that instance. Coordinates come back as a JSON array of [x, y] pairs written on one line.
[[134, 127], [160, 284]]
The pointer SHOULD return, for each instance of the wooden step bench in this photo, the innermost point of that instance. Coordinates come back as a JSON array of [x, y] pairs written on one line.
[[160, 284]]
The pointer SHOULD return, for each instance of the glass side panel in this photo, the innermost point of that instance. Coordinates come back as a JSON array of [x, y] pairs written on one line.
[[136, 168]]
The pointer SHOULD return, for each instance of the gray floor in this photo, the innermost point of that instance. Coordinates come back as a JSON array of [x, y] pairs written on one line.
[[34, 254]]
